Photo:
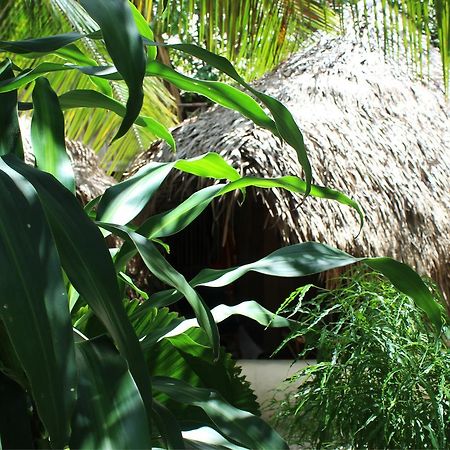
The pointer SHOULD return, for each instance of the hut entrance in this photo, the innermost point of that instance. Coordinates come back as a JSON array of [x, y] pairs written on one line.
[[235, 236]]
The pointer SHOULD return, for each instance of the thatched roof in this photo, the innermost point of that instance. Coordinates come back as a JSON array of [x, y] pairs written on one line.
[[373, 131], [91, 180]]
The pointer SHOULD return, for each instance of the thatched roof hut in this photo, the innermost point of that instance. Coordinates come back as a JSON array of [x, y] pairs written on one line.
[[91, 180], [373, 130]]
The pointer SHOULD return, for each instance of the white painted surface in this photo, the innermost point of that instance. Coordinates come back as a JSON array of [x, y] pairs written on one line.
[[266, 376]]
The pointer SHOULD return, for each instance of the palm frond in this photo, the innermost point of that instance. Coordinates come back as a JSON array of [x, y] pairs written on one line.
[[257, 34], [97, 127]]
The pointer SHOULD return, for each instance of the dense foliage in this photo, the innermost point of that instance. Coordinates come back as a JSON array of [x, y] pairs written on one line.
[[382, 375], [81, 365]]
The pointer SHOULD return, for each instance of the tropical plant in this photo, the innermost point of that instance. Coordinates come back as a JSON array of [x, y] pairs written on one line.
[[81, 365], [382, 374], [254, 34], [257, 35]]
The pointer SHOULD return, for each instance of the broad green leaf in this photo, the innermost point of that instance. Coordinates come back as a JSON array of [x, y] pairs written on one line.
[[285, 123], [40, 45], [175, 220], [144, 29], [126, 48], [220, 93], [237, 425], [82, 98], [250, 309], [203, 438], [109, 412], [168, 426], [47, 135], [310, 258], [124, 201], [34, 303], [10, 140], [292, 261], [88, 265], [15, 418], [159, 266], [406, 280], [29, 75]]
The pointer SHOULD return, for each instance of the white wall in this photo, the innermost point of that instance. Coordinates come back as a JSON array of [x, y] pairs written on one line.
[[268, 375]]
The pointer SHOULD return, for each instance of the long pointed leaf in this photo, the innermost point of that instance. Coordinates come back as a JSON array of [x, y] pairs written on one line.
[[47, 135], [167, 274], [82, 98], [126, 48], [237, 425], [88, 265], [10, 140], [285, 123], [34, 303], [110, 412]]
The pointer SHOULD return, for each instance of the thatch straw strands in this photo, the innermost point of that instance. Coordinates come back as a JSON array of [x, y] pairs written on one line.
[[373, 130], [91, 180]]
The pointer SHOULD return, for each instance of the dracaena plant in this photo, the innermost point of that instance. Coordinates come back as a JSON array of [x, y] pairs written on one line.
[[81, 365]]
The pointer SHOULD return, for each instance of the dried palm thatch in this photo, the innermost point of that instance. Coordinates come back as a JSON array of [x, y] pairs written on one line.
[[373, 130], [91, 180]]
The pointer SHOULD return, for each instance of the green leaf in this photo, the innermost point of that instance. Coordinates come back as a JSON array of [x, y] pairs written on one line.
[[34, 303], [88, 265], [47, 135], [406, 280], [144, 30], [310, 258], [109, 412], [237, 425], [125, 46], [175, 220], [124, 201], [82, 98], [29, 75], [168, 426], [250, 309], [10, 140], [15, 418], [285, 123], [220, 93], [167, 274], [43, 45]]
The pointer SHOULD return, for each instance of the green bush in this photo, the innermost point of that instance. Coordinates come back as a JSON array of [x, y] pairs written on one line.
[[382, 377], [81, 365]]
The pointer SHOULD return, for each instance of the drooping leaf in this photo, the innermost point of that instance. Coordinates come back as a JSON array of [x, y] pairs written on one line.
[[122, 202], [47, 135], [88, 265], [159, 266], [15, 419], [144, 30], [220, 93], [125, 46], [42, 45], [285, 123], [237, 425], [34, 303], [10, 140], [310, 258], [109, 412], [250, 309], [82, 98]]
